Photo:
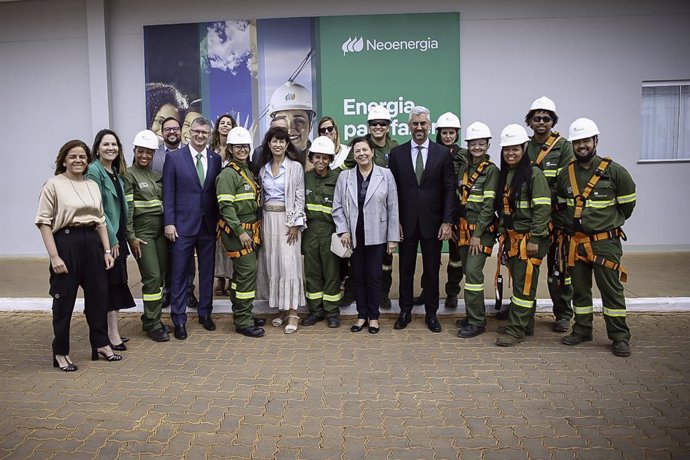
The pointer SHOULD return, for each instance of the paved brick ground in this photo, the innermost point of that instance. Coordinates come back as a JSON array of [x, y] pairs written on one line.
[[324, 393]]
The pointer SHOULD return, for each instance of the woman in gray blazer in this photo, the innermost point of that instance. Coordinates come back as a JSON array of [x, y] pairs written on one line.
[[365, 211]]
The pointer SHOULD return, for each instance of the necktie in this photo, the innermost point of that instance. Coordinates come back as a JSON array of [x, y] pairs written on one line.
[[419, 166], [199, 169]]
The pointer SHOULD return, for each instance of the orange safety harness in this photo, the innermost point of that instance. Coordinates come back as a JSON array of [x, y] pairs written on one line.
[[547, 147], [581, 238], [466, 229], [517, 246], [254, 227]]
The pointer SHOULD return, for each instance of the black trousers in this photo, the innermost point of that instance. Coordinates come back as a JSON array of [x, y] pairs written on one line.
[[366, 268], [82, 251], [431, 262]]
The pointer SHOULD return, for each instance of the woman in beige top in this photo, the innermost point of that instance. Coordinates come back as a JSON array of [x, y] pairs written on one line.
[[70, 219]]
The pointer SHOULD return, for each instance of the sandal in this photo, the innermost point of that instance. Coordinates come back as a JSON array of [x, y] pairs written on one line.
[[277, 321], [292, 325]]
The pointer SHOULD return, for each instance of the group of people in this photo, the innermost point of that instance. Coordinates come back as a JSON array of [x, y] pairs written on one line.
[[268, 220]]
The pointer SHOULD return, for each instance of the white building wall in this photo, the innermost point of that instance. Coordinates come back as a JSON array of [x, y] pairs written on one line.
[[592, 57]]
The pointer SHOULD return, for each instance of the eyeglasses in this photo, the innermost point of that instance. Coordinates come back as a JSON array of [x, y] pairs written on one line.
[[373, 123], [171, 130], [537, 119], [199, 132], [326, 129]]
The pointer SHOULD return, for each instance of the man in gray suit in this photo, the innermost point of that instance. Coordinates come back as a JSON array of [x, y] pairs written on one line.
[[171, 141]]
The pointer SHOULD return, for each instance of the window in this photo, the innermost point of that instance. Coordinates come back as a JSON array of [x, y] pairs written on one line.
[[665, 121]]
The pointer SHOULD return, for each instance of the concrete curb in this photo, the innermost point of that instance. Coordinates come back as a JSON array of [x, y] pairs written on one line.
[[222, 305]]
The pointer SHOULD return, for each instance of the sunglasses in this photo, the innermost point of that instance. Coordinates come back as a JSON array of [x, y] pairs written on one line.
[[378, 123], [326, 129], [537, 119]]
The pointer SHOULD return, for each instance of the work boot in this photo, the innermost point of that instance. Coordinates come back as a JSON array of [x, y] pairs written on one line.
[[462, 322], [575, 339], [503, 329], [508, 340], [621, 348], [561, 325], [471, 330], [311, 319], [452, 301]]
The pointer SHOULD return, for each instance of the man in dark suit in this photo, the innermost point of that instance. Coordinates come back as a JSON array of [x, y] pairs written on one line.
[[190, 215], [423, 173]]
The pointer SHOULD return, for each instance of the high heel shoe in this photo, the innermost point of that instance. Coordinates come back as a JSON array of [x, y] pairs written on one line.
[[96, 354], [120, 347], [70, 367]]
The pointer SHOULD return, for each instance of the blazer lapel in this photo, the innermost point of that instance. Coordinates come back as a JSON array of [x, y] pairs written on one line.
[[376, 178], [187, 158], [210, 167], [352, 184], [105, 178]]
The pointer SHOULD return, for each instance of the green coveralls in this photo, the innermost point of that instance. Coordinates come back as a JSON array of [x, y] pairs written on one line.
[[380, 159], [238, 202], [608, 207], [478, 211], [551, 165], [144, 195], [531, 215], [454, 269], [321, 266]]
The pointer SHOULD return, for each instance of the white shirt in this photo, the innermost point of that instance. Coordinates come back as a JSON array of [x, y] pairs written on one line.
[[415, 152], [204, 158]]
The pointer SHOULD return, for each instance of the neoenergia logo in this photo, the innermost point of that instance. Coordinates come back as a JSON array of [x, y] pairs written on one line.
[[353, 45]]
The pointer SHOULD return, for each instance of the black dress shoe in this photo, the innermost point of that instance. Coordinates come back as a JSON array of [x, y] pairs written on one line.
[[333, 322], [434, 325], [311, 319], [403, 320], [356, 328], [471, 330], [252, 331], [207, 322], [119, 347], [166, 327], [180, 332], [158, 335], [124, 339], [259, 322], [192, 302]]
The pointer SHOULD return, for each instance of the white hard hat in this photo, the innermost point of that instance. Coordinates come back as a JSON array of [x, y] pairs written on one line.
[[239, 136], [378, 112], [146, 139], [543, 103], [448, 120], [582, 128], [513, 135], [477, 130], [291, 96], [322, 144]]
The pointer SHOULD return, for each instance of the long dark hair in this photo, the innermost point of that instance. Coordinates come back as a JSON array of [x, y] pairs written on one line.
[[280, 133], [440, 141], [215, 137], [119, 162], [62, 154], [523, 174]]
